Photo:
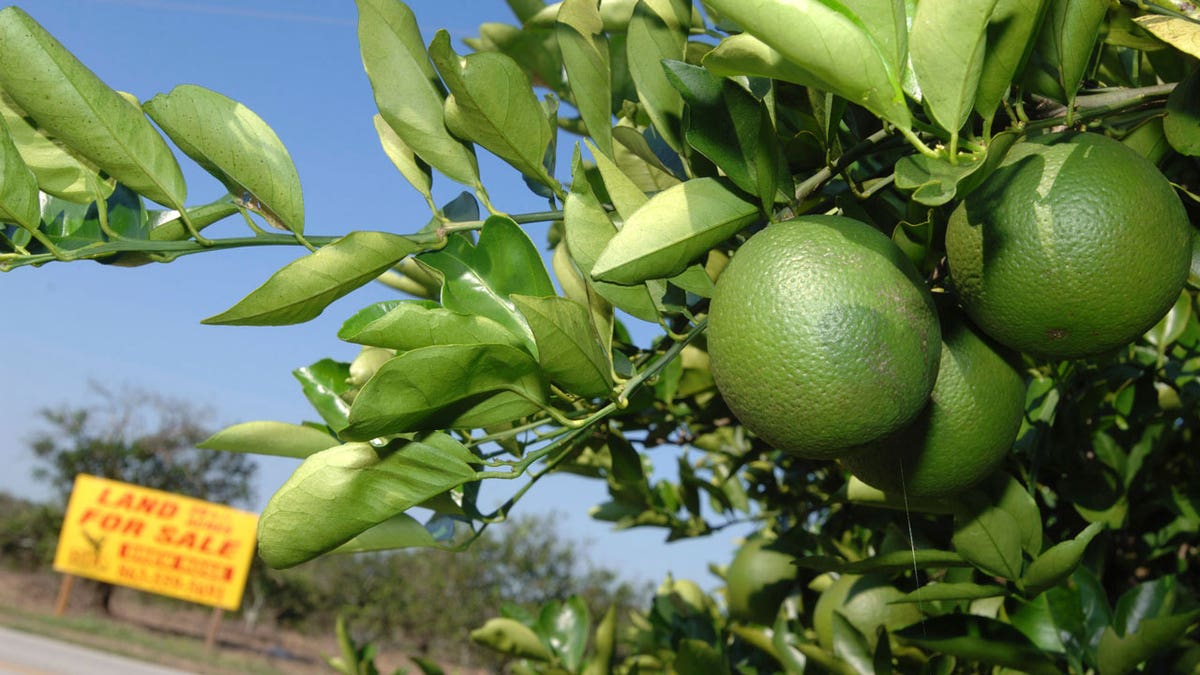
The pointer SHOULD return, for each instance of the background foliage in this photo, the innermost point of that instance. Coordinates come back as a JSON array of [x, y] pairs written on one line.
[[700, 124]]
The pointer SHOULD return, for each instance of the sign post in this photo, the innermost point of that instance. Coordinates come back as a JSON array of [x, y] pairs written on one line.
[[156, 541]]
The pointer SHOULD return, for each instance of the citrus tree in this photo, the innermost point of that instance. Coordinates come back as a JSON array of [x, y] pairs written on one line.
[[920, 277]]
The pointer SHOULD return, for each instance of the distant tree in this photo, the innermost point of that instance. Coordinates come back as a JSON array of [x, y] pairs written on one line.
[[139, 437], [143, 438]]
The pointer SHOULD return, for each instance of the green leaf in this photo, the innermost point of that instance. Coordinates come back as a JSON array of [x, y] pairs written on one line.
[[412, 324], [447, 387], [1169, 329], [18, 186], [1182, 123], [1008, 494], [672, 230], [565, 627], [339, 493], [399, 531], [837, 49], [1182, 34], [1119, 655], [744, 54], [588, 230], [509, 636], [237, 147], [981, 639], [946, 44], [479, 279], [580, 33], [58, 172], [733, 129], [887, 563], [569, 350], [325, 384], [625, 195], [71, 103], [1065, 44], [492, 103], [850, 645], [407, 90], [858, 492], [1057, 563], [305, 287], [658, 31], [414, 169], [1010, 39], [698, 656], [270, 438], [934, 180], [952, 591], [990, 539]]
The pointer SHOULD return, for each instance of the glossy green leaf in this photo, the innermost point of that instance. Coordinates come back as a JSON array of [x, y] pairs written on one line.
[[305, 287], [934, 180], [270, 438], [565, 626], [1010, 37], [887, 563], [325, 384], [588, 230], [479, 279], [831, 32], [341, 492], [673, 230], [492, 103], [981, 639], [447, 387], [1046, 623], [399, 531], [733, 129], [414, 169], [234, 145], [1173, 326], [1119, 655], [658, 31], [1056, 563], [1065, 43], [744, 54], [78, 109], [1008, 494], [946, 44], [859, 492], [953, 591], [58, 172], [850, 645], [625, 195], [412, 324], [18, 186], [580, 33], [1182, 123], [569, 350], [509, 636], [990, 538], [1182, 34], [407, 90], [600, 311]]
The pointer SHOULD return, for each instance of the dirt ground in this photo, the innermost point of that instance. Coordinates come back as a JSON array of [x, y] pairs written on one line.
[[261, 649]]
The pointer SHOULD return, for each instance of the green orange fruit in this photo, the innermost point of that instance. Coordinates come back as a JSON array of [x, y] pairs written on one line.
[[822, 336], [1074, 246], [758, 580], [964, 433]]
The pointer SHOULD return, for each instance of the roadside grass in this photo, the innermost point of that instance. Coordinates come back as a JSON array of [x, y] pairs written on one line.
[[134, 641]]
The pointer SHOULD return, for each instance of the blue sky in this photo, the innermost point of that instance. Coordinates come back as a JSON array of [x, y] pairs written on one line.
[[295, 63]]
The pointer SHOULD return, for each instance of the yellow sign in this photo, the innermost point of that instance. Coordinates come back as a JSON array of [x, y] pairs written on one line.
[[156, 541]]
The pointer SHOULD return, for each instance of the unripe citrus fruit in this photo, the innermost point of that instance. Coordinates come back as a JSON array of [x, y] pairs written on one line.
[[963, 434], [1074, 246], [822, 336], [863, 600], [757, 581]]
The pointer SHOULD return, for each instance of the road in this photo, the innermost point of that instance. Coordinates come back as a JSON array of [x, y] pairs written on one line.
[[27, 654]]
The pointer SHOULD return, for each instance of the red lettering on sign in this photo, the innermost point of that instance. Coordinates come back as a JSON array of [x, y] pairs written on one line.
[[206, 543], [131, 501]]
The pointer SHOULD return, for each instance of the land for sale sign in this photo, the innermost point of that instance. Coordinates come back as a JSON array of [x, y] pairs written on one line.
[[156, 541]]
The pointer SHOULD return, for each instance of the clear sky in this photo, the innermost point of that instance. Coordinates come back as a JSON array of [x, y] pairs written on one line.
[[295, 63]]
